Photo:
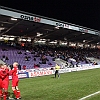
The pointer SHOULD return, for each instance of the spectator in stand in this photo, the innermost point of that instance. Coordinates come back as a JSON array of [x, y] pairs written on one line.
[[94, 63], [19, 52], [34, 59], [26, 58], [4, 58], [7, 58], [35, 66], [19, 67], [43, 58], [24, 67]]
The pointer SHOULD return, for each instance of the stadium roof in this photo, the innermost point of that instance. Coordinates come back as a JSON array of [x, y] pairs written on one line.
[[19, 23]]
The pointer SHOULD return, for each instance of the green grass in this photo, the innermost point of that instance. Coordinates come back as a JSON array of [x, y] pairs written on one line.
[[96, 97], [70, 86]]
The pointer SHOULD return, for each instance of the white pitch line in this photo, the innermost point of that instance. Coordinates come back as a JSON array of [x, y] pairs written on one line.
[[89, 95]]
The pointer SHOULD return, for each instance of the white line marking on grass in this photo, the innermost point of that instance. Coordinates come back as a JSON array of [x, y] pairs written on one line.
[[89, 95]]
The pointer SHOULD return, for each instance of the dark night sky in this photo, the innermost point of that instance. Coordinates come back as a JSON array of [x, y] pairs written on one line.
[[80, 12]]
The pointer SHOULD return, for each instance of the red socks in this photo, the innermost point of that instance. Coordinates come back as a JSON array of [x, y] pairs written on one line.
[[4, 96], [0, 93], [15, 93], [18, 93]]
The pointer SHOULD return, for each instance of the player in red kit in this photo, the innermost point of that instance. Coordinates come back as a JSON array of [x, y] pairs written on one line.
[[15, 80], [1, 81], [5, 82], [3, 75]]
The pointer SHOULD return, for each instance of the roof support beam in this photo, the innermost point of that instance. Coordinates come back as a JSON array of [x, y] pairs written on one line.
[[10, 28]]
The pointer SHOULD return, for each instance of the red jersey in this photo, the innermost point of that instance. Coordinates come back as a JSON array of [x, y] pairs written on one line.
[[6, 74], [0, 75], [0, 79], [14, 73], [5, 80], [3, 73]]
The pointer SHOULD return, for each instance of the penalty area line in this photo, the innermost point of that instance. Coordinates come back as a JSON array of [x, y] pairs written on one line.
[[89, 95]]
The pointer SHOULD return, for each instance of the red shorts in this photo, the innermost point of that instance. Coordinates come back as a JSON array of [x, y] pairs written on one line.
[[15, 82], [0, 83], [5, 84]]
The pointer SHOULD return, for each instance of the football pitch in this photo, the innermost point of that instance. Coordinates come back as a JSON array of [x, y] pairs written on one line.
[[70, 86]]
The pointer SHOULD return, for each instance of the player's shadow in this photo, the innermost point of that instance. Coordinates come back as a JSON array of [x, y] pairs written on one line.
[[52, 77], [11, 95]]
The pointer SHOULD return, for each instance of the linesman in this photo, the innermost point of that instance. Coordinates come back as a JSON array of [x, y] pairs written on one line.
[[57, 67]]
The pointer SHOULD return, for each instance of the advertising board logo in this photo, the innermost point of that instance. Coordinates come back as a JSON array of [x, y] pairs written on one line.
[[26, 17], [59, 24], [66, 26], [83, 30], [62, 25], [37, 19], [97, 33], [30, 18]]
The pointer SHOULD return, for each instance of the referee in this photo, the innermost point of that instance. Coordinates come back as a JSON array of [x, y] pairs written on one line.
[[57, 67]]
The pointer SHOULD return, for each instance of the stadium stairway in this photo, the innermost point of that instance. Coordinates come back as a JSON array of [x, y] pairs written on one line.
[[1, 62], [61, 62], [92, 59]]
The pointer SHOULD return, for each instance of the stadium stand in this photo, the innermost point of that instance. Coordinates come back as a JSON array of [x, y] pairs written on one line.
[[36, 40], [13, 54], [37, 43], [69, 57]]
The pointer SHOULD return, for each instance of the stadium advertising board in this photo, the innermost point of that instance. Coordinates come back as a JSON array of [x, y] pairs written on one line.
[[79, 68], [64, 70], [59, 24], [21, 75], [40, 73], [97, 33], [86, 67], [30, 18], [83, 30], [62, 25], [48, 21], [74, 28]]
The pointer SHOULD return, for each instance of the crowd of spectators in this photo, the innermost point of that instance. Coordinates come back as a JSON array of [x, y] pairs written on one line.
[[69, 54], [73, 55]]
